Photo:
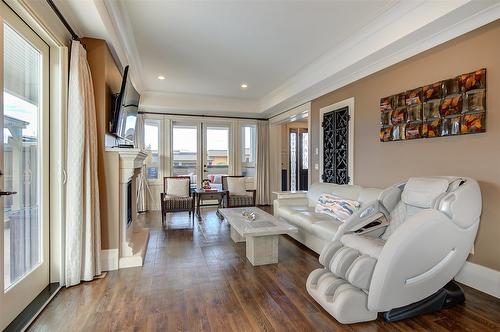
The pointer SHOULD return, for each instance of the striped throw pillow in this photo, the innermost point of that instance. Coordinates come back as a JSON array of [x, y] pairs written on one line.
[[337, 207]]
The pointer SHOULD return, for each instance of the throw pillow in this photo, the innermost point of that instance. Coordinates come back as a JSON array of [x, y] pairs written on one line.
[[178, 187], [236, 186], [337, 207]]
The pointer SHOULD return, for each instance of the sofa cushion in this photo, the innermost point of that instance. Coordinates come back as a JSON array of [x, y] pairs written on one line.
[[302, 217], [325, 229], [335, 206], [288, 211], [364, 244]]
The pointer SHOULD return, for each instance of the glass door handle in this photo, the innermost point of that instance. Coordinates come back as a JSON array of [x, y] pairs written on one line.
[[7, 193]]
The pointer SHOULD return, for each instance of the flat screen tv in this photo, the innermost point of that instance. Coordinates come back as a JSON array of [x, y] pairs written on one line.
[[125, 108]]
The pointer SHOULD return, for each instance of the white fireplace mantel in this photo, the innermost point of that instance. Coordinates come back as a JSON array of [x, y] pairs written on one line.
[[133, 238]]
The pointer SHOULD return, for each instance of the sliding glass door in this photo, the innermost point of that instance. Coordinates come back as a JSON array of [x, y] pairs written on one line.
[[24, 158], [216, 156], [201, 151], [185, 150]]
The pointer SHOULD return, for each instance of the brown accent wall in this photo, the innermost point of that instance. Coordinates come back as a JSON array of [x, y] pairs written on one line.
[[478, 156], [106, 78]]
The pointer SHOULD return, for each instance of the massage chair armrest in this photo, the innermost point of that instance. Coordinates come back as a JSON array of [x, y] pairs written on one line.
[[362, 217], [419, 258]]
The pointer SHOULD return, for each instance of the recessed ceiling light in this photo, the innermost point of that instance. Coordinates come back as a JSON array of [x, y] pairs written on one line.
[[244, 86], [161, 77]]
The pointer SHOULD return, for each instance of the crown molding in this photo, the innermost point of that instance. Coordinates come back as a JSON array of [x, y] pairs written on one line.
[[125, 37], [402, 31], [380, 46]]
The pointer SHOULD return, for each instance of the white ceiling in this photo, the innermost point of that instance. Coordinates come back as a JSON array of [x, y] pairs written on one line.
[[288, 52], [210, 48]]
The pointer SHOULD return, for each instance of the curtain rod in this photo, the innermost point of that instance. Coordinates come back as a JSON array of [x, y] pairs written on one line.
[[63, 20]]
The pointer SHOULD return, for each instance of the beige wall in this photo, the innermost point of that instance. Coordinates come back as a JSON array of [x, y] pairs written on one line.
[[382, 164], [106, 78]]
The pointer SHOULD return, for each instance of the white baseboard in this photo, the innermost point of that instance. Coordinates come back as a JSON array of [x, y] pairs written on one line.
[[109, 259], [481, 278]]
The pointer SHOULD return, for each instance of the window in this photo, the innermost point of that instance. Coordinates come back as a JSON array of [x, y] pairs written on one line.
[[22, 232], [248, 149], [305, 150], [152, 143], [185, 151]]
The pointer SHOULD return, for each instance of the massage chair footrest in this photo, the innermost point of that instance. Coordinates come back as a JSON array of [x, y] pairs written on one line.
[[447, 297]]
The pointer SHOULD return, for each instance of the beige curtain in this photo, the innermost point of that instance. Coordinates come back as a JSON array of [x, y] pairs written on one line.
[[83, 224], [263, 193], [142, 184]]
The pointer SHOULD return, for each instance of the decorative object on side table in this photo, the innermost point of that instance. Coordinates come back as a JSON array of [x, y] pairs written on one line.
[[455, 106]]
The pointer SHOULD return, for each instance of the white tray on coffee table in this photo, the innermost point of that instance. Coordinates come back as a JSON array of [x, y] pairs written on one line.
[[261, 235]]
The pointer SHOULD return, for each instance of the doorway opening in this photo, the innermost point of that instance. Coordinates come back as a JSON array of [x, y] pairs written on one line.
[[295, 155]]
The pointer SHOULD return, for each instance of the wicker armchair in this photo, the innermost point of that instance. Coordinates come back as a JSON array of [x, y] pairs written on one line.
[[177, 197], [238, 200]]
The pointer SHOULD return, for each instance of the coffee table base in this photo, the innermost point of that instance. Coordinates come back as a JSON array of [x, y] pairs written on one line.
[[235, 236], [262, 250]]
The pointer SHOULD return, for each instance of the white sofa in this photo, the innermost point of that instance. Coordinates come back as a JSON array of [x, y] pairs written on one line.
[[316, 229]]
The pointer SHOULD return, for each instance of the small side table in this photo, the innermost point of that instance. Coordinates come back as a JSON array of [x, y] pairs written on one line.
[[206, 195]]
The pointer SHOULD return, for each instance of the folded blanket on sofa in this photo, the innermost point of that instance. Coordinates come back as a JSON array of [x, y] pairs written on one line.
[[337, 207]]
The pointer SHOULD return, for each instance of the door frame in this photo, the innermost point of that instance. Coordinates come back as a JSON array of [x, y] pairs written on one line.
[[275, 144], [349, 103], [24, 290]]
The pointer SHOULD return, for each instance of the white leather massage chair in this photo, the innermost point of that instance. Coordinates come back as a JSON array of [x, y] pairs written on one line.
[[407, 268]]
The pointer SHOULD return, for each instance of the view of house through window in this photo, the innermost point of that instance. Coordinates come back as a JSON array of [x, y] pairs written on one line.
[[185, 151], [216, 163], [22, 227], [152, 143], [248, 149]]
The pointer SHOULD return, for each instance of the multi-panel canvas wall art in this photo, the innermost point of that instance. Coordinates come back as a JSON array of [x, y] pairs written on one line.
[[456, 106]]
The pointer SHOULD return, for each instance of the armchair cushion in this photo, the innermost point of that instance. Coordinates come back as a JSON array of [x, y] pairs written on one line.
[[241, 200], [177, 203], [236, 186], [177, 187]]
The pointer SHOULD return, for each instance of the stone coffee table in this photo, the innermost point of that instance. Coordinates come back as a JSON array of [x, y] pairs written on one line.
[[261, 235]]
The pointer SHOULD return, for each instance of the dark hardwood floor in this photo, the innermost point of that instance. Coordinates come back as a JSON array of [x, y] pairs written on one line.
[[201, 280]]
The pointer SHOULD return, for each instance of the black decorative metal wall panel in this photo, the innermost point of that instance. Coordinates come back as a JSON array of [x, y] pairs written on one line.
[[335, 146]]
